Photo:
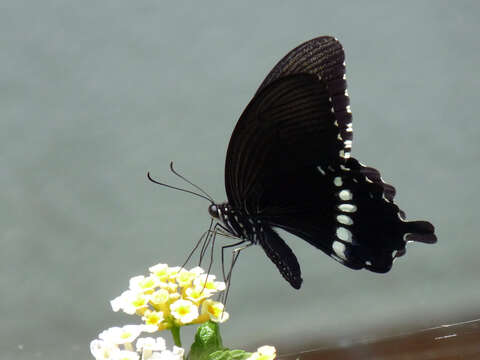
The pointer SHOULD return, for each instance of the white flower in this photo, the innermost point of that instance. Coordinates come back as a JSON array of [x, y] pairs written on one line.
[[152, 317], [174, 296], [196, 294], [185, 278], [184, 310], [173, 271], [265, 352], [149, 328], [130, 301], [126, 355], [176, 354], [215, 310], [160, 296], [102, 350], [160, 271], [143, 284], [170, 286], [209, 283], [147, 345], [121, 335], [197, 270]]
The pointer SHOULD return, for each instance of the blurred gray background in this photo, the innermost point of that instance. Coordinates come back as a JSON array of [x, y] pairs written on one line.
[[95, 93]]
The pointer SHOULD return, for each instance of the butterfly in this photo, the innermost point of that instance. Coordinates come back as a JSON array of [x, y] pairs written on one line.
[[288, 166]]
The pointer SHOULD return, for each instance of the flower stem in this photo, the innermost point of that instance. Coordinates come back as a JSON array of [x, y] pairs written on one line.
[[176, 335]]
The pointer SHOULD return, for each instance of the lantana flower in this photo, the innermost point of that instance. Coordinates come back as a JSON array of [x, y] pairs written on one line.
[[265, 352], [215, 310], [184, 311], [166, 299], [171, 297]]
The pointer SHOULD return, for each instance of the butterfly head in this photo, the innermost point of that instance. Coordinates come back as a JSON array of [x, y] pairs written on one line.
[[214, 211]]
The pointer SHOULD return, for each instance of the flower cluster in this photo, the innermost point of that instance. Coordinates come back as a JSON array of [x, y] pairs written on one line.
[[117, 343], [171, 297]]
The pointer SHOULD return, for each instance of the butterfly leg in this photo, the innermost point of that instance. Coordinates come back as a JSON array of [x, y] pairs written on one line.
[[222, 230], [200, 241], [235, 254]]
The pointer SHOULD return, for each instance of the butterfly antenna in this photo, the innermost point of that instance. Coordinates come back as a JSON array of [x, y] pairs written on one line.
[[177, 188], [191, 183]]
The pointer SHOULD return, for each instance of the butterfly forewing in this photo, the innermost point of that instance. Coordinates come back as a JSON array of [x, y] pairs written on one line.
[[284, 128], [324, 58]]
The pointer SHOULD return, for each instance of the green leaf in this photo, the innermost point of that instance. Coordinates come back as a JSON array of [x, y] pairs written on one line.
[[229, 355], [207, 341]]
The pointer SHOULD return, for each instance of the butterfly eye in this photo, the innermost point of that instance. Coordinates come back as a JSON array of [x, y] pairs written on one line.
[[213, 211]]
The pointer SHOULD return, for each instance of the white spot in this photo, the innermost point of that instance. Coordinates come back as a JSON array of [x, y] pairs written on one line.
[[348, 143], [349, 110], [355, 180], [368, 263], [337, 181], [368, 180], [331, 168], [345, 195], [331, 110], [384, 198], [349, 127], [405, 237], [339, 249], [347, 208], [347, 155], [335, 257], [339, 137], [346, 92], [335, 123], [344, 234], [344, 168], [344, 63], [319, 168], [330, 99], [341, 153], [344, 77], [344, 219]]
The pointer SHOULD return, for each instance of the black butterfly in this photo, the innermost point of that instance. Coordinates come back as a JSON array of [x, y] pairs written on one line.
[[288, 166]]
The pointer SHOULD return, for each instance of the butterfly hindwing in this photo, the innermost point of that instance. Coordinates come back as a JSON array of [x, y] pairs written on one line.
[[349, 215]]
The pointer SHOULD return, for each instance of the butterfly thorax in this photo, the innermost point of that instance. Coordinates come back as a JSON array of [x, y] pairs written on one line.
[[236, 222]]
